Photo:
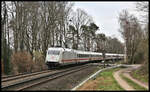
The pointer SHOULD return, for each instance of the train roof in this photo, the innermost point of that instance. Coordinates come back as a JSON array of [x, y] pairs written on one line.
[[87, 52], [82, 52], [111, 54], [96, 53], [114, 54], [121, 54], [60, 48], [55, 48]]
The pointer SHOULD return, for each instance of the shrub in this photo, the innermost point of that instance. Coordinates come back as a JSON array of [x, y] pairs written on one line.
[[39, 60], [22, 62], [139, 56]]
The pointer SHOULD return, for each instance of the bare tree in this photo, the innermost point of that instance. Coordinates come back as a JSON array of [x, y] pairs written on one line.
[[143, 9], [88, 34], [80, 18], [131, 30], [5, 39], [142, 53]]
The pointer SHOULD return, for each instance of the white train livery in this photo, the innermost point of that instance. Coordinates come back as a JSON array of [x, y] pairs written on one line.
[[62, 56]]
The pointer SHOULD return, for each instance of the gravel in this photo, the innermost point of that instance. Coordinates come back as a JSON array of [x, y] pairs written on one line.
[[66, 82]]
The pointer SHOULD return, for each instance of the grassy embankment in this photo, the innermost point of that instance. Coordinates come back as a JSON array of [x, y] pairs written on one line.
[[103, 81], [138, 74]]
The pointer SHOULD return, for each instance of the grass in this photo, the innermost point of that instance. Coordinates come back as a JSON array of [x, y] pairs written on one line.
[[108, 82], [142, 77], [103, 81], [131, 83]]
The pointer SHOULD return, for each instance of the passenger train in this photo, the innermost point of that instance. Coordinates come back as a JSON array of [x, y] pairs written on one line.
[[62, 56]]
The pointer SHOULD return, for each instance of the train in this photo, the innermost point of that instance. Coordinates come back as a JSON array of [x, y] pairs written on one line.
[[57, 56]]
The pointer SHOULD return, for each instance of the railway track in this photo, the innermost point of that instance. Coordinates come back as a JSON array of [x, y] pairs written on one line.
[[23, 83], [23, 75], [8, 76]]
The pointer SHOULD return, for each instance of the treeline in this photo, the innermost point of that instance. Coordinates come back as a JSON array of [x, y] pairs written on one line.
[[135, 33], [29, 28]]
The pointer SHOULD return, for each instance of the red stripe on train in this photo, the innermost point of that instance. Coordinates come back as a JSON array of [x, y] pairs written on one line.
[[75, 59], [80, 59]]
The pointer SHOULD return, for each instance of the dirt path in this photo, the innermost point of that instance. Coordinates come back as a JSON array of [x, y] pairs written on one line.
[[125, 72], [136, 81], [120, 81]]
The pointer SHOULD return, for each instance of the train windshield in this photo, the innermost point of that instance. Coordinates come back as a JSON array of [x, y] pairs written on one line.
[[53, 52]]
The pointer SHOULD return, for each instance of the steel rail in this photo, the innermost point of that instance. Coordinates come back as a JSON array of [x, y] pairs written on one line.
[[35, 79], [8, 76], [23, 75]]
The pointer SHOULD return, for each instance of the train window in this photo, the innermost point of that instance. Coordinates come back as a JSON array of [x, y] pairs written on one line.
[[53, 52], [78, 55]]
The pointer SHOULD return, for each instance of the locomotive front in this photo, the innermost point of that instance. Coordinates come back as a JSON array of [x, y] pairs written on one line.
[[53, 57]]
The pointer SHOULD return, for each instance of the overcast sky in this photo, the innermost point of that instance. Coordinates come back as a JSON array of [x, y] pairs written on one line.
[[105, 15]]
